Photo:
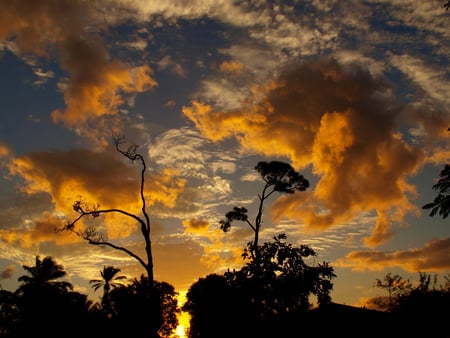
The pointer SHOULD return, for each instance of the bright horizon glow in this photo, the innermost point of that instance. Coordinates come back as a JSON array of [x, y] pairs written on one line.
[[183, 318]]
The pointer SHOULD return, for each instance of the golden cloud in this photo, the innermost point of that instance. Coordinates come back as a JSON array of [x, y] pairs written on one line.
[[214, 254], [42, 231], [343, 122], [196, 226], [232, 66], [98, 177], [97, 85], [434, 256], [5, 150]]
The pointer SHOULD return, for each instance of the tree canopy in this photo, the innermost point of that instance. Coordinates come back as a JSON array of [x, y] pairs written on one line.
[[441, 204]]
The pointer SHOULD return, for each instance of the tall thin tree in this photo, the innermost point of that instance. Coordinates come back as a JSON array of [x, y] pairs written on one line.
[[95, 237], [278, 177]]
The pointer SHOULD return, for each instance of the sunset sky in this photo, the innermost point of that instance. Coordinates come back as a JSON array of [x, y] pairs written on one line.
[[353, 94]]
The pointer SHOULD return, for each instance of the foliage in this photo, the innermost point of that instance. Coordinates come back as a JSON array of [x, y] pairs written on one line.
[[278, 177], [212, 303], [44, 273], [275, 281], [441, 204], [395, 285], [261, 295], [44, 306], [143, 308], [109, 281], [426, 305], [423, 303], [284, 278]]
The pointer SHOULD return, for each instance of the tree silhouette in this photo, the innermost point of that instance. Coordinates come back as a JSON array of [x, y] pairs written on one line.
[[213, 303], [109, 280], [278, 177], [263, 299], [9, 313], [441, 204], [45, 272], [395, 285], [423, 303], [151, 308], [283, 279], [47, 307], [95, 237], [144, 308]]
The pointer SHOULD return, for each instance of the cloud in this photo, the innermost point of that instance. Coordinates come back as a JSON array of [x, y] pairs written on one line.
[[344, 123], [97, 85], [430, 80], [231, 66], [433, 256], [200, 165], [196, 226], [223, 10], [167, 63], [5, 150], [98, 177], [8, 272], [43, 230]]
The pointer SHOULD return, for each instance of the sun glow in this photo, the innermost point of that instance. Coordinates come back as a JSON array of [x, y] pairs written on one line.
[[183, 318]]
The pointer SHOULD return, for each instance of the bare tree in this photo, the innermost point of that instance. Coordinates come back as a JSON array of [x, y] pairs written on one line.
[[96, 237]]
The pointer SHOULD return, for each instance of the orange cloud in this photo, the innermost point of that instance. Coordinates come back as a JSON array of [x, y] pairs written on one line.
[[5, 150], [97, 85], [99, 177], [231, 66], [434, 256], [43, 231], [214, 254], [196, 226], [341, 121]]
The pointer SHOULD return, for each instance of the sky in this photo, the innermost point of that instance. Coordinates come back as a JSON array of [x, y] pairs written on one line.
[[353, 94]]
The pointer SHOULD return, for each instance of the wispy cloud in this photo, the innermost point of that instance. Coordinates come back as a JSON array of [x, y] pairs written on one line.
[[433, 256]]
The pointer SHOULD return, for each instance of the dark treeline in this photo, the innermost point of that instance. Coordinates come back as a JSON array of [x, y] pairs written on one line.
[[43, 306], [271, 300]]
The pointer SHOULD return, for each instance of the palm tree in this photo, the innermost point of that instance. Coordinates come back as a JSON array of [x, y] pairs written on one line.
[[43, 274], [109, 280], [44, 304]]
